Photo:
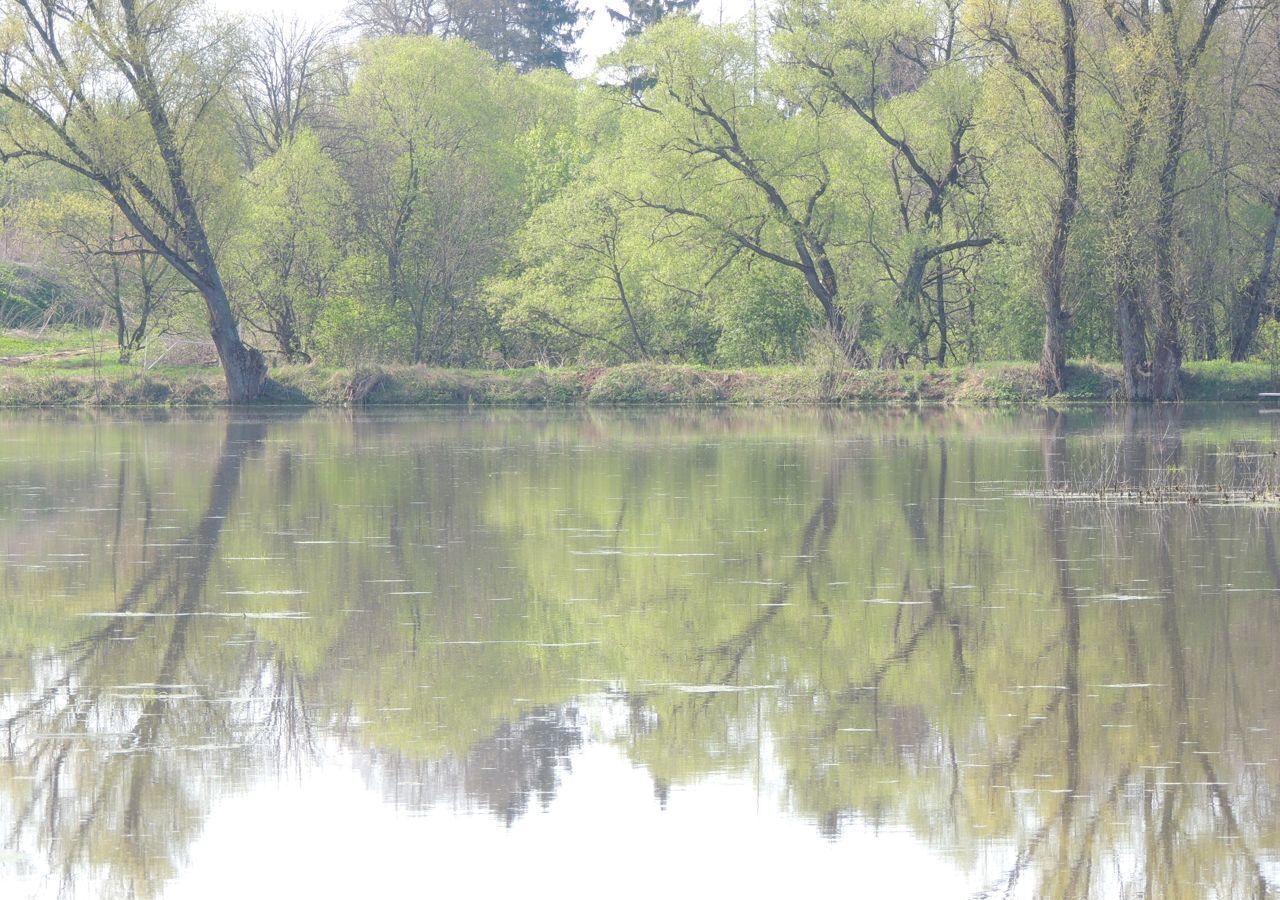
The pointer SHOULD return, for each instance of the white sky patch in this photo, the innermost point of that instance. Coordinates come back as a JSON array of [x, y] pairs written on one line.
[[600, 36]]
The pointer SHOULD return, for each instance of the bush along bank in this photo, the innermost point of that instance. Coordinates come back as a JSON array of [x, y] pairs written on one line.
[[639, 384]]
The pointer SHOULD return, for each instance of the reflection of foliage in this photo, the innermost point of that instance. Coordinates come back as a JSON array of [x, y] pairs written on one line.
[[502, 773], [856, 606], [115, 721]]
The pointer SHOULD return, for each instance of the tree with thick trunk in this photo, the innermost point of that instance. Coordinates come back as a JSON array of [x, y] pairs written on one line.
[[1170, 71], [126, 95], [1052, 78], [1131, 327], [859, 58], [1250, 301]]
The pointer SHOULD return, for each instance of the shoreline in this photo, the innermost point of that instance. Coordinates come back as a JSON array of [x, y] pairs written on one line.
[[640, 384]]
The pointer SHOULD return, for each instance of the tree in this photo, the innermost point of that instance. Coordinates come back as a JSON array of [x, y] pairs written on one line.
[[384, 18], [104, 258], [641, 14], [1251, 298], [1165, 45], [1046, 69], [286, 256], [541, 34], [528, 34], [872, 60], [1258, 131], [129, 96], [432, 183], [289, 78], [732, 161], [598, 284]]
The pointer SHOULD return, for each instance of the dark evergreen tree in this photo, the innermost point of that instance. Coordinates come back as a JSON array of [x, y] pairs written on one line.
[[546, 34], [641, 14], [529, 34]]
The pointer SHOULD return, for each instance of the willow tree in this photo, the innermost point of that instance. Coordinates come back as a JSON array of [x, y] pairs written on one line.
[[433, 180], [1038, 47], [1164, 46], [900, 73], [128, 94], [724, 155]]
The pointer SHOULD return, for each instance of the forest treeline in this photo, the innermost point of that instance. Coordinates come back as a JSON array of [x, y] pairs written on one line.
[[881, 182]]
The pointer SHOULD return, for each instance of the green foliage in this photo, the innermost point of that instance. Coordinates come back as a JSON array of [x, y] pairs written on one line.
[[761, 316], [431, 191], [285, 263], [888, 171]]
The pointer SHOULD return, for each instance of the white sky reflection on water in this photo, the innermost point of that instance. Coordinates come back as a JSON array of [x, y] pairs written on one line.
[[342, 840]]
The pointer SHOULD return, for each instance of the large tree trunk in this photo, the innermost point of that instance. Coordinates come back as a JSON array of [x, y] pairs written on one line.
[[117, 307], [1250, 301], [821, 278], [1130, 323], [1053, 354], [1133, 340], [941, 306], [1053, 273], [244, 367], [1166, 364], [914, 302], [846, 338], [1053, 269]]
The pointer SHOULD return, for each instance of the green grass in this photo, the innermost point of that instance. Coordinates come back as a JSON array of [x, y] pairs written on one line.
[[97, 377], [1219, 379], [54, 340]]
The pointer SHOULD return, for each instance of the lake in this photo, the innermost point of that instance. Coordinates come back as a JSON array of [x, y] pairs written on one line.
[[607, 653]]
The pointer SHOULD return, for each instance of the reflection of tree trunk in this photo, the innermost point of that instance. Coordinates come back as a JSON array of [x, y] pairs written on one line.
[[1132, 449], [814, 541], [188, 585], [1168, 435], [938, 607], [1184, 738], [1259, 885], [1180, 712], [53, 724], [1054, 449]]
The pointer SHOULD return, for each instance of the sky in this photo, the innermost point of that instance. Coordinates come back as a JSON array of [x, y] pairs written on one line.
[[599, 37]]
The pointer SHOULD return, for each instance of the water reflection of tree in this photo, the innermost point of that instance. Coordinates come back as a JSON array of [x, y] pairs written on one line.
[[1180, 813], [114, 758], [966, 703], [1098, 790], [522, 762]]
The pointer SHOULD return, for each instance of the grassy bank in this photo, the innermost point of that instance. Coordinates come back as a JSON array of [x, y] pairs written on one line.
[[992, 384]]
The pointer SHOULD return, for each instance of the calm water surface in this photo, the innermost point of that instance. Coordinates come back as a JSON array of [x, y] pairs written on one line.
[[612, 654]]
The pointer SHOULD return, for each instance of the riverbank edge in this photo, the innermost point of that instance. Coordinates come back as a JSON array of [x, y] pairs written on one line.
[[637, 384]]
